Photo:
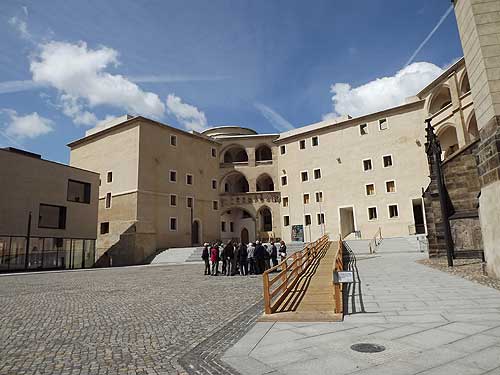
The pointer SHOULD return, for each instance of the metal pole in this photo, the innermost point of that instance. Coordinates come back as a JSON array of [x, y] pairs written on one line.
[[28, 235], [191, 209]]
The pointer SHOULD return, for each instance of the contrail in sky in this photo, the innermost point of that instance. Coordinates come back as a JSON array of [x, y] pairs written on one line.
[[446, 14]]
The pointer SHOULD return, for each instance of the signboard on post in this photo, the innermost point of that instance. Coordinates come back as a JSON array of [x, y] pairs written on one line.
[[298, 233], [343, 277]]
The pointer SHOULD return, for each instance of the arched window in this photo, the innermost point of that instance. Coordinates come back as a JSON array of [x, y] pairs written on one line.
[[448, 139], [263, 153], [440, 99], [266, 219], [465, 86], [472, 128], [235, 154], [264, 183], [236, 183]]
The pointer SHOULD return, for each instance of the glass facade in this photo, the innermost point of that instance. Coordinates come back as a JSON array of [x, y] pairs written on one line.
[[45, 253]]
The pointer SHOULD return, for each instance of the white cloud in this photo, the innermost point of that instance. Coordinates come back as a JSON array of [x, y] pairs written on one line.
[[28, 126], [20, 26], [188, 115], [381, 93], [274, 118], [78, 73]]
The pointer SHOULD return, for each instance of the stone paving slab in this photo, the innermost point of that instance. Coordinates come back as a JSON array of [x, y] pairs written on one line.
[[430, 322]]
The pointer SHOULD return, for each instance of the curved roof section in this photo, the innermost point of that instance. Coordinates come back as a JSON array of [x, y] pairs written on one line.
[[224, 131]]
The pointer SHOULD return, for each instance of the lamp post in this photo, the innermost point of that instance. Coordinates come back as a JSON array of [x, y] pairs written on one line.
[[433, 150]]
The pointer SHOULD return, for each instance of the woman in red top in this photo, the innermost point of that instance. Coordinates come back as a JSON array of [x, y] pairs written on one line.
[[214, 258]]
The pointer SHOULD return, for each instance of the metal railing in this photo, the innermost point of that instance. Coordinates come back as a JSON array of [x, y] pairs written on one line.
[[277, 288], [375, 241]]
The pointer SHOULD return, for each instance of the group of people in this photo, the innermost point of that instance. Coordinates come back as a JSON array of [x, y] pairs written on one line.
[[240, 259]]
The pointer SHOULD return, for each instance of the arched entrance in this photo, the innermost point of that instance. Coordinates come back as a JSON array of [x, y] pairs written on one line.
[[244, 236], [447, 136], [195, 233]]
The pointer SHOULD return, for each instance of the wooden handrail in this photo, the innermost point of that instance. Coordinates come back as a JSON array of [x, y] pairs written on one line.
[[375, 241], [291, 268], [338, 265]]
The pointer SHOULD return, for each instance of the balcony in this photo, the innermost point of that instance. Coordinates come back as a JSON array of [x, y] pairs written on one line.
[[236, 199]]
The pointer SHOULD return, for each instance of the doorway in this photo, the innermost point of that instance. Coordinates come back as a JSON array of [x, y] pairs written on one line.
[[195, 233], [244, 236], [347, 224], [418, 216]]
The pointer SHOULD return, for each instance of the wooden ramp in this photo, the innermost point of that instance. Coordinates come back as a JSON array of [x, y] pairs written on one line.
[[312, 298]]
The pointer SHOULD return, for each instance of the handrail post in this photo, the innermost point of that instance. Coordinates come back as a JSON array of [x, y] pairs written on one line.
[[267, 299]]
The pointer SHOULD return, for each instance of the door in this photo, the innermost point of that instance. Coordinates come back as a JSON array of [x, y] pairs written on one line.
[[195, 233], [244, 236]]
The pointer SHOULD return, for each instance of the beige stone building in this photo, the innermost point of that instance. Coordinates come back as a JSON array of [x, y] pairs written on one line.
[[163, 187], [48, 213]]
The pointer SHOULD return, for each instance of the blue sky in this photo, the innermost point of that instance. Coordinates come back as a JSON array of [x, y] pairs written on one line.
[[221, 62]]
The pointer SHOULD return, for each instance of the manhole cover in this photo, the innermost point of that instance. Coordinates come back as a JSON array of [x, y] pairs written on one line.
[[367, 348]]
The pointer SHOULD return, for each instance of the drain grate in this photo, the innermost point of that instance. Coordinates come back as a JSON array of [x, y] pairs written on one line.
[[367, 348]]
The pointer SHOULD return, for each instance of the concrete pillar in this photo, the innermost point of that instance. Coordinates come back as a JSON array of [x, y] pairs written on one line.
[[479, 27]]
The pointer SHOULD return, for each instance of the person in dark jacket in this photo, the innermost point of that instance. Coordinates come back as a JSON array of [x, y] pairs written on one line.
[[267, 257], [228, 257], [236, 260], [274, 254], [243, 255], [222, 257], [205, 255], [260, 258]]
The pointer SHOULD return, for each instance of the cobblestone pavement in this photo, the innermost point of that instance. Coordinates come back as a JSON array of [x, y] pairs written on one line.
[[135, 320]]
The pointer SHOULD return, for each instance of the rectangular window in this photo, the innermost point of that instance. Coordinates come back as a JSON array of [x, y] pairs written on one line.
[[382, 124], [189, 179], [370, 189], [109, 177], [387, 161], [363, 129], [286, 221], [319, 196], [105, 228], [78, 191], [173, 223], [173, 200], [372, 213], [223, 226], [306, 198], [50, 216], [302, 144], [307, 219], [215, 205], [320, 218], [189, 202], [173, 140], [285, 201], [367, 164], [283, 150], [315, 141], [108, 200], [214, 184], [393, 211], [390, 186], [214, 152], [304, 176], [284, 180], [231, 226], [317, 174], [173, 176]]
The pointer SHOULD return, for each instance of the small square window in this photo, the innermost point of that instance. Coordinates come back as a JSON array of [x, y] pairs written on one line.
[[173, 140], [304, 176], [109, 177], [307, 219], [189, 202], [108, 200], [382, 124], [370, 189], [393, 211], [302, 144], [214, 152], [315, 141], [215, 205], [173, 223], [78, 191], [319, 196], [214, 184], [390, 186], [306, 198], [104, 228], [173, 200], [223, 226], [284, 180], [387, 161], [173, 176], [231, 226], [367, 165], [372, 213], [320, 218], [285, 201], [189, 179], [363, 129], [283, 150], [286, 221], [317, 174]]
